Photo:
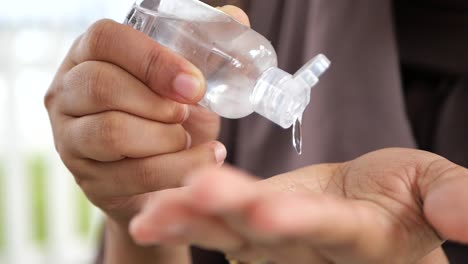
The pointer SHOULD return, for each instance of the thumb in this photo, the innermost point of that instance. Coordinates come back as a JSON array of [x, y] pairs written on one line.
[[236, 13], [444, 190]]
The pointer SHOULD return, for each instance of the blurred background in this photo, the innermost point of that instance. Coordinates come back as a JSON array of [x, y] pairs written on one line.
[[44, 218]]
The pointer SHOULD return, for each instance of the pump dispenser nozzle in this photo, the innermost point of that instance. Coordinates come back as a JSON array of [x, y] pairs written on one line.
[[282, 97], [310, 73]]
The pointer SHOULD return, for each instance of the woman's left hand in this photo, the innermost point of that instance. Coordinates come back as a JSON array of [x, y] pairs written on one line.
[[389, 206]]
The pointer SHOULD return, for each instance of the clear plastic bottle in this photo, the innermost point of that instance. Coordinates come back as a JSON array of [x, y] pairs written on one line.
[[239, 64]]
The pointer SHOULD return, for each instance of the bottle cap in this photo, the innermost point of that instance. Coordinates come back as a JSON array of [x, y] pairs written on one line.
[[282, 97]]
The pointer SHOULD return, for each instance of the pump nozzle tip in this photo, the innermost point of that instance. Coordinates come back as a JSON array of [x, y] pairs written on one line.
[[319, 65], [313, 69]]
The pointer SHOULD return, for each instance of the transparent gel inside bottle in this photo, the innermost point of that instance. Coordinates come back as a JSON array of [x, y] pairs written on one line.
[[239, 64]]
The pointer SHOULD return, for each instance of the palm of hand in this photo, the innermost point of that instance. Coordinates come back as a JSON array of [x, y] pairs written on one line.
[[373, 215], [379, 201], [369, 210]]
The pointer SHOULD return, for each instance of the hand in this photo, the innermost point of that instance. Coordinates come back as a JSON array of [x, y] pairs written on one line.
[[117, 106], [124, 116], [390, 206]]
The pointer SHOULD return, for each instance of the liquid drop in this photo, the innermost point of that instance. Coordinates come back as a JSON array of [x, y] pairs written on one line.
[[297, 135]]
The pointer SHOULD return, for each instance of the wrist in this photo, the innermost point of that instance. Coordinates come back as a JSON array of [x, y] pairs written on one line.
[[120, 248]]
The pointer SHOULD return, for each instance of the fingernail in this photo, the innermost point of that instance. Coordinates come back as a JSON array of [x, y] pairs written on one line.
[[220, 153], [189, 141], [187, 86]]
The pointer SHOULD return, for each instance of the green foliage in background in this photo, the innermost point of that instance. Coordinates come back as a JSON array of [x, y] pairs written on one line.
[[37, 171], [38, 177]]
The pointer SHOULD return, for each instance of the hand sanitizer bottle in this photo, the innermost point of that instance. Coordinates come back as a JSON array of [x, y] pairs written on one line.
[[239, 64]]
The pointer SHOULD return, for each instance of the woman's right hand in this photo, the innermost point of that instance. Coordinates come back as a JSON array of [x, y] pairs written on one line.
[[117, 106]]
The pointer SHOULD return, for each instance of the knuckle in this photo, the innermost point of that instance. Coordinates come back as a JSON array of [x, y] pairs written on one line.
[[52, 94], [84, 183], [76, 43], [88, 186], [204, 156], [177, 112], [98, 87], [62, 150], [153, 64], [98, 37], [82, 178], [110, 131], [74, 79], [63, 138], [93, 78], [49, 98]]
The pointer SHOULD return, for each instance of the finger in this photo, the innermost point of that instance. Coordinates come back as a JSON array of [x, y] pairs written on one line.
[[218, 190], [203, 123], [237, 13], [94, 87], [138, 176], [228, 194], [159, 68], [112, 136], [170, 219], [443, 190], [323, 221], [146, 228]]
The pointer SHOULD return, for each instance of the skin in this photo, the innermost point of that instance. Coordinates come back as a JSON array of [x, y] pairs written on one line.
[[389, 206], [127, 125]]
